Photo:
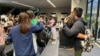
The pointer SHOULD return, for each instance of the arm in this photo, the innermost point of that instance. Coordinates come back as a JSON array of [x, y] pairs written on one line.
[[81, 36], [76, 28], [37, 28]]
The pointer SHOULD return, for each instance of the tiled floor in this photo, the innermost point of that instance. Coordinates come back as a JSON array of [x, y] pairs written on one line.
[[65, 52], [94, 52]]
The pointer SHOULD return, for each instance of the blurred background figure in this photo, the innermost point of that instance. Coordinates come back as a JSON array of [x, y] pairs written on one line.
[[51, 24], [10, 24], [2, 40], [4, 20]]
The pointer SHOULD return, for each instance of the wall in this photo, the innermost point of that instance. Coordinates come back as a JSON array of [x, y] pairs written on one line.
[[57, 11], [79, 3]]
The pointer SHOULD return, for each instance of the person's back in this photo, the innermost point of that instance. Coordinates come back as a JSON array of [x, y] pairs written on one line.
[[22, 41], [77, 44], [66, 41]]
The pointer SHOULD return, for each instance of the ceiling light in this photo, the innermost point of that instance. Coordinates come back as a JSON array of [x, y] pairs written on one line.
[[49, 1], [21, 4]]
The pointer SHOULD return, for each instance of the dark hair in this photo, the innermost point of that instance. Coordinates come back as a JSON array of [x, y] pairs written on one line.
[[30, 13], [78, 11], [36, 14], [10, 19], [70, 21], [24, 22]]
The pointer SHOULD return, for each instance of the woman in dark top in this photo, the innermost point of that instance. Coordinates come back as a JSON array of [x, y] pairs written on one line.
[[21, 36]]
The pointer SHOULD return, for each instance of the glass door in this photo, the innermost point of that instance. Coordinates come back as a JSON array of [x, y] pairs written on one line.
[[98, 30], [94, 17]]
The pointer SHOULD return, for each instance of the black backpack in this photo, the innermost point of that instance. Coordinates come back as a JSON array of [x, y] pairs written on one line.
[[43, 37]]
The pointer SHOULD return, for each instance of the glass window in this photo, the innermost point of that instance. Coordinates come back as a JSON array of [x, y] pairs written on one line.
[[95, 5], [89, 0], [98, 29], [89, 8], [88, 12], [98, 32], [94, 13]]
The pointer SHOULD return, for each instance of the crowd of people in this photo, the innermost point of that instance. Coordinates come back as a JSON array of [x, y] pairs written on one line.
[[20, 31]]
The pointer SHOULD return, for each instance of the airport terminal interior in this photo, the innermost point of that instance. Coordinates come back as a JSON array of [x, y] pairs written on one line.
[[47, 9]]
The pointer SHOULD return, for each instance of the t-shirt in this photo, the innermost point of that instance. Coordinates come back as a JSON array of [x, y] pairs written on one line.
[[34, 21]]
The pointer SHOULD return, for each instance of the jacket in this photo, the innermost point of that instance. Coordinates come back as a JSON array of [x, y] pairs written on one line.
[[23, 43], [78, 27]]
